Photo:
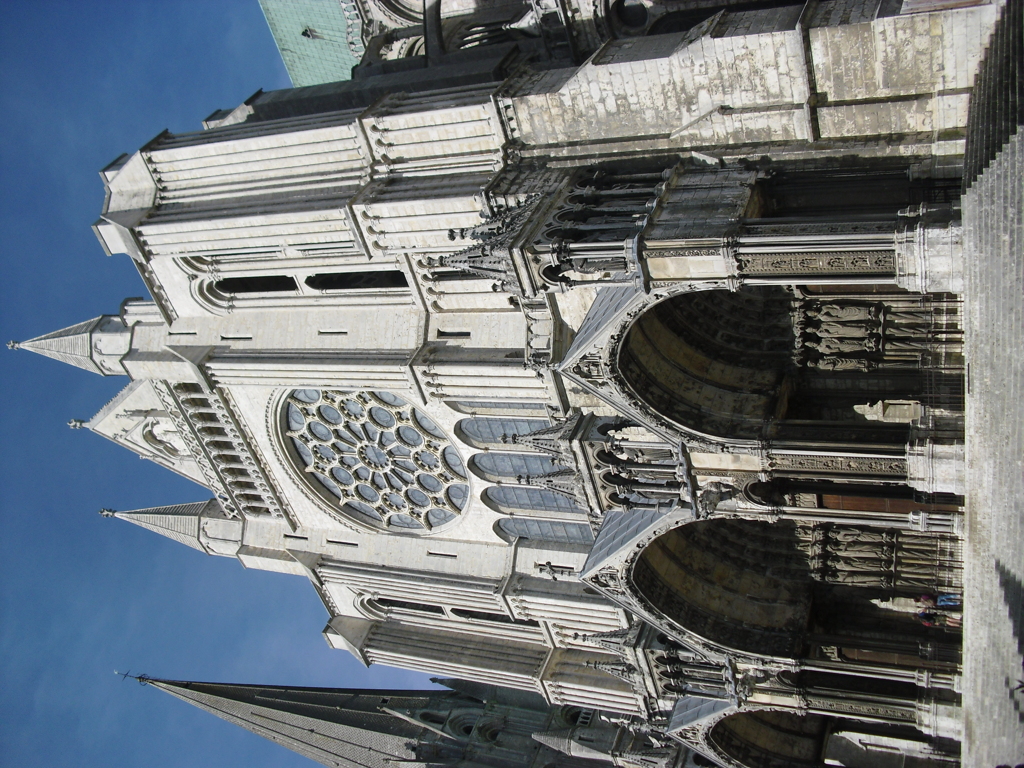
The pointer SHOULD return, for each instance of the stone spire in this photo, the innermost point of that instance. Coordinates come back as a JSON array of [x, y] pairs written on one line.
[[179, 522], [96, 345], [333, 726]]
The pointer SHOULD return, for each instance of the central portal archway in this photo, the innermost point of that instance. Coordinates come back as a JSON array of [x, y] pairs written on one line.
[[741, 584], [777, 588], [772, 739]]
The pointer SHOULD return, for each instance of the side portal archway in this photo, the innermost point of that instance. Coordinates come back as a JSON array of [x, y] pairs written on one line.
[[729, 364], [711, 360]]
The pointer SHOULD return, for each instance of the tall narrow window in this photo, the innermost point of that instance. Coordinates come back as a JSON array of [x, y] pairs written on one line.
[[483, 433], [496, 466], [547, 530], [256, 284], [351, 281], [497, 618], [512, 499], [405, 605]]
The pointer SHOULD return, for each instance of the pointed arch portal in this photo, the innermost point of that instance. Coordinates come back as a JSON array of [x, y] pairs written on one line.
[[723, 363], [730, 582], [772, 588], [772, 739]]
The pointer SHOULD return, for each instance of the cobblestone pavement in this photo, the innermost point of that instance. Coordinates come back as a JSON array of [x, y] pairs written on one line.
[[994, 578]]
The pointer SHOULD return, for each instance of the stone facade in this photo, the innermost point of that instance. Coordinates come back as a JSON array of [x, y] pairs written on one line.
[[623, 369]]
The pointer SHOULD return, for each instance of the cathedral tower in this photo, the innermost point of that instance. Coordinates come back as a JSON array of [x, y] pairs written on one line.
[[624, 371]]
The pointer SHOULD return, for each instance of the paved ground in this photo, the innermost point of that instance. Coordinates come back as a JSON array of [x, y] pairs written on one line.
[[994, 595]]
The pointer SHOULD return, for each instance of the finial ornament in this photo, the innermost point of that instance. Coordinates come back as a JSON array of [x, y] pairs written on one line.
[[142, 678], [76, 423], [14, 344], [107, 512]]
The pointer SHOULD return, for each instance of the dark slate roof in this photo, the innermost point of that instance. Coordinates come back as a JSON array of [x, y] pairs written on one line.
[[333, 726]]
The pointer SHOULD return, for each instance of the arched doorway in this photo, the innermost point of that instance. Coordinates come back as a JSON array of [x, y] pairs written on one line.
[[776, 739], [726, 364], [740, 584], [779, 588], [772, 739]]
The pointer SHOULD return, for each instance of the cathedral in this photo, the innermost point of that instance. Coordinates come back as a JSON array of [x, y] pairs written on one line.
[[605, 359]]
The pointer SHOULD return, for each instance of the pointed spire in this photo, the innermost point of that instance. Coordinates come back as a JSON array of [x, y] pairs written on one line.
[[489, 260], [621, 670], [74, 345], [491, 255], [564, 481], [71, 345], [179, 522], [558, 740], [333, 726]]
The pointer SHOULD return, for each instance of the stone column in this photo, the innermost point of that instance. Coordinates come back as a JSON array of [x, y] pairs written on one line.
[[929, 251], [936, 467]]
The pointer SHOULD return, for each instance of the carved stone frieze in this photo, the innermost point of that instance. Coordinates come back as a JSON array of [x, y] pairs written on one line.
[[684, 253], [866, 709], [662, 289], [831, 263], [767, 227], [855, 465]]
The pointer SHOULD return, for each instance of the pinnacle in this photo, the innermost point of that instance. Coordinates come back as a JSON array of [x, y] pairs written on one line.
[[71, 345], [179, 522]]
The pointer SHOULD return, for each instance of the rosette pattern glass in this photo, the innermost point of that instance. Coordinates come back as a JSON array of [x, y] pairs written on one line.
[[376, 457]]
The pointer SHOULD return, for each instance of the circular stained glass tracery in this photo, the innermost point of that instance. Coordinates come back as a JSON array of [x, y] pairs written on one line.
[[376, 457]]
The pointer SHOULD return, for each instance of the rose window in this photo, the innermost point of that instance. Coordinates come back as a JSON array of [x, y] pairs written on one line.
[[376, 457]]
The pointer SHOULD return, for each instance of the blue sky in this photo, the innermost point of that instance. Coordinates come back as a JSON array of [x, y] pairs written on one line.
[[81, 595]]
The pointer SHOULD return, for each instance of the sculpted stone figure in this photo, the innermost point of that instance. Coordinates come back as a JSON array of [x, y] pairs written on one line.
[[830, 330], [849, 314], [832, 363], [831, 346]]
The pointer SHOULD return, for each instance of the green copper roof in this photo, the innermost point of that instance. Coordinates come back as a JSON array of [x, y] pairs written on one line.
[[319, 40]]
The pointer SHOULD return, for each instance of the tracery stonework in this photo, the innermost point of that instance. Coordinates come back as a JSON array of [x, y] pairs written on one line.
[[380, 459]]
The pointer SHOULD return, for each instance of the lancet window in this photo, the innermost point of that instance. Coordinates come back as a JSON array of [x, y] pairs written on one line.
[[285, 288], [514, 499], [256, 284], [494, 618], [503, 466], [405, 605], [488, 432], [546, 530]]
